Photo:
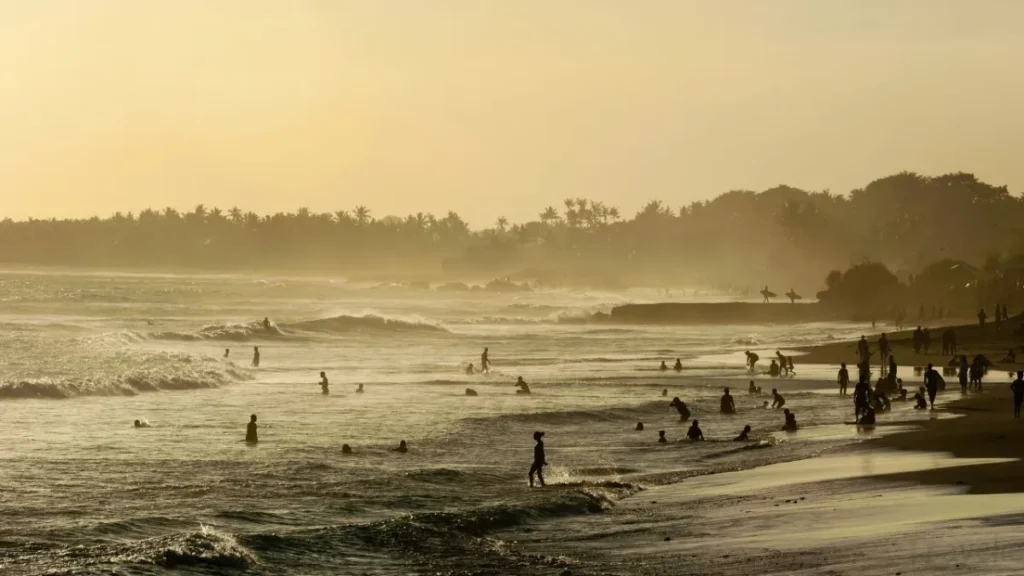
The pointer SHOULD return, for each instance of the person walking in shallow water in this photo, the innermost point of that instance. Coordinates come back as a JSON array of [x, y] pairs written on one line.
[[323, 384], [844, 379], [931, 384], [539, 459], [485, 362], [1018, 394], [255, 356], [250, 431]]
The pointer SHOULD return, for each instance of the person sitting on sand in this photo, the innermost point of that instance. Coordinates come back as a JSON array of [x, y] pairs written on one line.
[[695, 433], [539, 459], [778, 401], [402, 448], [844, 379], [678, 366], [752, 359], [250, 431], [920, 399], [868, 419], [639, 427], [323, 384], [470, 392], [790, 425], [728, 406], [661, 437], [346, 449], [680, 406], [773, 369], [753, 389], [1011, 357], [469, 369], [663, 366], [744, 435], [523, 387]]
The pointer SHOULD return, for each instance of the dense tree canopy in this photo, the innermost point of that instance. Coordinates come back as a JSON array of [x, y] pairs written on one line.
[[784, 237]]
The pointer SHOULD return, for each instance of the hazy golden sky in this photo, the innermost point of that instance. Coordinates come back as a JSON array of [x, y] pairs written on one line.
[[494, 107]]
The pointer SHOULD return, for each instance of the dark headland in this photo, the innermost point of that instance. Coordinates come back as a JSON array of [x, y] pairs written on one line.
[[718, 313]]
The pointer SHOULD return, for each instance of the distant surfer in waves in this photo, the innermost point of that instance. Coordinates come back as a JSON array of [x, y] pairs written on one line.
[[728, 405], [680, 406], [485, 362], [752, 359], [539, 460], [679, 366], [250, 431], [346, 449], [255, 356], [266, 323], [323, 384], [523, 387]]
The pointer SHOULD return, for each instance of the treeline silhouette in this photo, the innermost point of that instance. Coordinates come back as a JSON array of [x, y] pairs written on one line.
[[783, 236]]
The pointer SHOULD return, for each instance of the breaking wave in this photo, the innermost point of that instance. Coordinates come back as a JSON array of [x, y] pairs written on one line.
[[129, 384], [367, 323]]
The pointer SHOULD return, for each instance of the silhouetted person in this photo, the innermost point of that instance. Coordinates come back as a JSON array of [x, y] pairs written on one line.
[[931, 384], [1010, 358], [782, 360], [359, 389], [778, 400], [861, 397], [977, 371], [892, 368], [346, 449], [920, 399], [793, 296], [402, 447], [324, 389], [266, 323], [918, 340], [981, 318], [883, 347], [679, 365], [744, 435], [227, 352], [470, 392], [789, 366], [250, 431], [255, 356], [485, 362], [753, 389], [728, 406], [141, 424], [695, 433], [661, 437], [773, 368], [539, 460], [1018, 394], [862, 349], [664, 391], [844, 379], [790, 425], [680, 406], [639, 427], [963, 374], [469, 369], [868, 419], [767, 294], [752, 359], [523, 387], [663, 366], [882, 403]]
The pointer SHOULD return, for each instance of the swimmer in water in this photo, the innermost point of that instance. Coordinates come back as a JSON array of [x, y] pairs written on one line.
[[469, 369], [485, 362], [266, 323], [664, 391], [227, 352], [744, 436], [728, 405], [661, 437], [402, 448], [346, 449], [250, 431], [753, 389], [523, 387], [779, 401], [868, 418], [663, 366], [790, 425], [323, 384], [695, 433], [141, 424], [680, 406], [255, 356], [679, 366], [639, 427], [539, 459], [359, 389]]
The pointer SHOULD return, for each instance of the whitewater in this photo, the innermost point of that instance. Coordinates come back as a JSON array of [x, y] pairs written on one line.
[[82, 356]]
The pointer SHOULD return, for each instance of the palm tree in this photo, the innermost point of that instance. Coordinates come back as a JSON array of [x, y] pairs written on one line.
[[549, 215], [571, 216], [362, 215], [236, 214], [613, 213], [502, 223]]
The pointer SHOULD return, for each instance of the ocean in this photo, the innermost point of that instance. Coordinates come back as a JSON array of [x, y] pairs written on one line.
[[83, 355]]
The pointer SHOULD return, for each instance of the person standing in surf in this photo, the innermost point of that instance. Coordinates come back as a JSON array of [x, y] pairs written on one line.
[[931, 384], [250, 431], [485, 363], [255, 356], [539, 461], [844, 379], [323, 384], [1018, 394]]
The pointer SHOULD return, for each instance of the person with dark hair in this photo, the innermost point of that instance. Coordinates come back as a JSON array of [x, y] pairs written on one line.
[[931, 384], [678, 366], [663, 366], [744, 435], [844, 379], [862, 350], [661, 437], [752, 359], [680, 406], [963, 374], [346, 449], [883, 347], [359, 389], [539, 459], [920, 399], [1018, 394], [402, 447], [789, 366], [323, 384], [777, 400], [255, 356], [250, 431], [639, 427], [266, 323], [695, 433], [892, 368], [790, 425], [728, 405], [753, 389], [469, 369], [523, 387], [485, 362], [664, 391], [868, 419], [861, 397]]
